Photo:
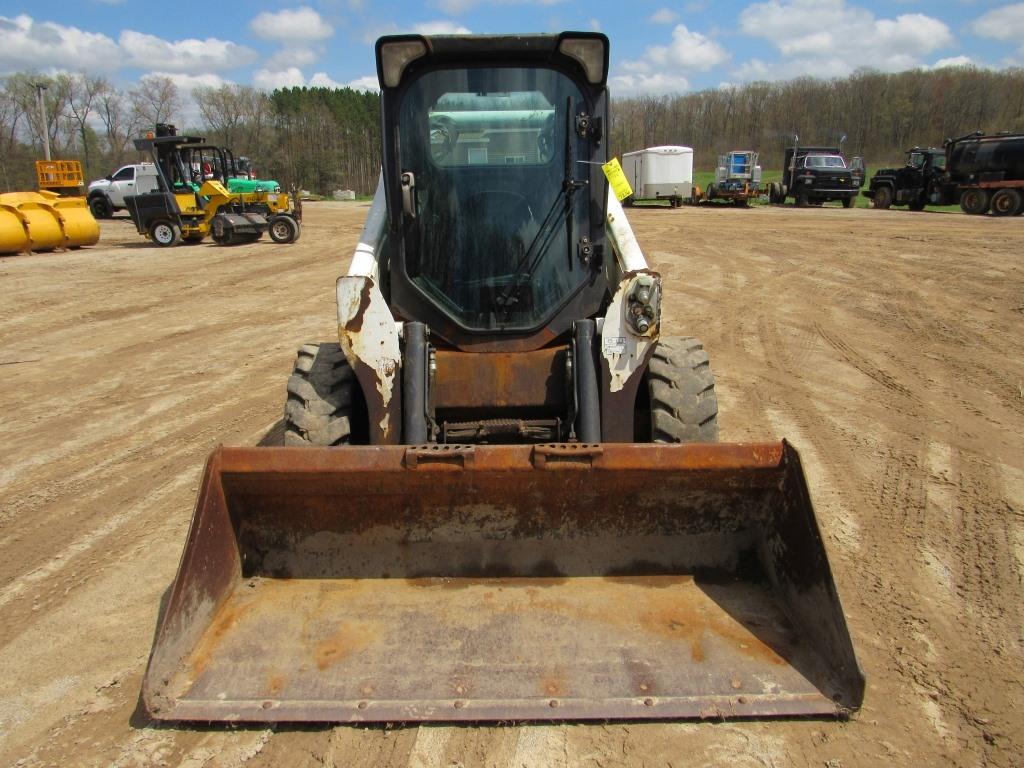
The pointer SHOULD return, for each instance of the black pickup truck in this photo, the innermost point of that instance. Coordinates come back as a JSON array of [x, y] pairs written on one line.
[[817, 175]]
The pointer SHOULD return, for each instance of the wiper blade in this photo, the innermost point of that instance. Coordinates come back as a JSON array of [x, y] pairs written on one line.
[[546, 232]]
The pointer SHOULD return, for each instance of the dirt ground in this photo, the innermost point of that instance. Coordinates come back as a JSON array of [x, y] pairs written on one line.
[[887, 346]]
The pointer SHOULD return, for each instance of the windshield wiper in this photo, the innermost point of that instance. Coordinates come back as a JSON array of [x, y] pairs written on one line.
[[546, 232]]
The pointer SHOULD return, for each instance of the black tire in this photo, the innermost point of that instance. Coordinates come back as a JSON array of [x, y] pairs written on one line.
[[882, 198], [324, 405], [916, 206], [165, 233], [100, 207], [284, 229], [712, 191], [975, 201], [847, 202], [1007, 202], [802, 201], [681, 390]]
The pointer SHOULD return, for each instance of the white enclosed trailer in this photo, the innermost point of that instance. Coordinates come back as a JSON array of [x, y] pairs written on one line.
[[664, 173]]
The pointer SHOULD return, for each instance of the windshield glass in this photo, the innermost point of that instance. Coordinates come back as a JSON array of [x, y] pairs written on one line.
[[825, 161], [493, 239]]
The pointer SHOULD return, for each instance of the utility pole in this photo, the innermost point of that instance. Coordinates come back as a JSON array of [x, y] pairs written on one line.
[[40, 87]]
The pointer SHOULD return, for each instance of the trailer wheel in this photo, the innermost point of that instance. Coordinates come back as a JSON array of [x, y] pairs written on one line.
[[325, 406], [1007, 202], [165, 233], [284, 229], [681, 394], [975, 201]]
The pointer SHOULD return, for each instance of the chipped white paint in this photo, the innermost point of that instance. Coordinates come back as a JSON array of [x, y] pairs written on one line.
[[627, 250], [364, 261], [621, 346], [368, 335]]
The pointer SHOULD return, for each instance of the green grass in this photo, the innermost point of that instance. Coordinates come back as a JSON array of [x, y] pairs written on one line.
[[703, 178]]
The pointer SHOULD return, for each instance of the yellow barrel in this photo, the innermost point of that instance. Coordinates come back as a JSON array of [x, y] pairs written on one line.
[[44, 221]]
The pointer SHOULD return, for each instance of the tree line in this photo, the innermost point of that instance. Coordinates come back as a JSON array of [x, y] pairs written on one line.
[[880, 115], [320, 139], [323, 139]]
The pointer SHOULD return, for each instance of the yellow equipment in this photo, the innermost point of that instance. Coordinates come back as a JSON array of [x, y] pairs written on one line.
[[45, 221], [64, 177]]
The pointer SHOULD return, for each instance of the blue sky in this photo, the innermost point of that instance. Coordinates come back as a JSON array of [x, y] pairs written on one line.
[[657, 47]]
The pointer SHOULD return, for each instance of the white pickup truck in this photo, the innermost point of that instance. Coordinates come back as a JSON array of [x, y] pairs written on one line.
[[107, 195]]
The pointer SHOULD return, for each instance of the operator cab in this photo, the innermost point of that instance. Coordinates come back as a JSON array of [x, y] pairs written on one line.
[[501, 193]]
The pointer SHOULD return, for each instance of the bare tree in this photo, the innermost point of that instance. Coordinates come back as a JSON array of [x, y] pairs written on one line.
[[155, 100], [84, 95]]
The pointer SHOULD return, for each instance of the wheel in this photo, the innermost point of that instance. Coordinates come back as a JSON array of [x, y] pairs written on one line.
[[284, 229], [1007, 202], [221, 231], [802, 201], [165, 233], [775, 193], [712, 191], [100, 207], [681, 393], [325, 406], [917, 205], [847, 202], [882, 198], [975, 201]]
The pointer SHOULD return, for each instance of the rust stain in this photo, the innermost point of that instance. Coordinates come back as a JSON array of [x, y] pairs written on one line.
[[275, 685], [223, 622], [553, 682], [348, 639]]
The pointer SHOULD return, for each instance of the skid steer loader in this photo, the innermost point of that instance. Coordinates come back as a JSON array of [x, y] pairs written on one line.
[[501, 496]]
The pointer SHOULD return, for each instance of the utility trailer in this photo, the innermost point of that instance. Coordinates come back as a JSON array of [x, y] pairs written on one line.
[[737, 178], [659, 174]]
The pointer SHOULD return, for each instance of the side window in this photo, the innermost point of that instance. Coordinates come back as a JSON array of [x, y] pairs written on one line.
[[125, 174]]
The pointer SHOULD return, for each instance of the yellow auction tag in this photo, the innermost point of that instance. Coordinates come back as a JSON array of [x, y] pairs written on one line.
[[620, 185]]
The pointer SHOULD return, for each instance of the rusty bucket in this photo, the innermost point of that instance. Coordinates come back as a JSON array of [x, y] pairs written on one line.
[[502, 583]]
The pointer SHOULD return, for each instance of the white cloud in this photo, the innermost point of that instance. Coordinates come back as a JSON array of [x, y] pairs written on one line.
[[188, 82], [664, 68], [300, 56], [688, 50], [831, 38], [1006, 23], [292, 25], [142, 50], [441, 27], [269, 80], [658, 83], [663, 16], [323, 80], [367, 83], [954, 61], [26, 43]]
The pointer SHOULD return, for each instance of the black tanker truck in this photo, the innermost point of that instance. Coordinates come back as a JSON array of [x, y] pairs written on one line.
[[980, 172]]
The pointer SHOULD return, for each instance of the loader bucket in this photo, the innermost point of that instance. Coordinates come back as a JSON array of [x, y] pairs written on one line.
[[43, 221], [502, 583]]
